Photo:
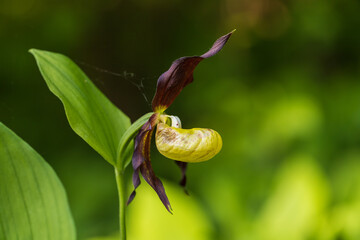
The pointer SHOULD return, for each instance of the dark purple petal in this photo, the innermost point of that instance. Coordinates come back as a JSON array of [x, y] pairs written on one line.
[[141, 162], [138, 156], [183, 167], [180, 74], [150, 177]]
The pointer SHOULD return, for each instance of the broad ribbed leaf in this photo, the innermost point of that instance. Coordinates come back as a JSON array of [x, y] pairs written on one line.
[[91, 115], [33, 203]]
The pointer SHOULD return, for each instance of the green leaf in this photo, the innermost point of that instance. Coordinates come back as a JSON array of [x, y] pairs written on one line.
[[126, 145], [33, 203], [91, 115]]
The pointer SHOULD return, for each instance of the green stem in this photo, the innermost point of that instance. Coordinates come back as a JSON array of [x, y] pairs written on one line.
[[120, 182]]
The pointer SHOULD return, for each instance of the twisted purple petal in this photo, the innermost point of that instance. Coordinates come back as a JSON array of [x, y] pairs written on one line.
[[141, 162]]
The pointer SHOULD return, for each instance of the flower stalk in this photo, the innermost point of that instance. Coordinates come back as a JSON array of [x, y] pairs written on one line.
[[182, 145], [120, 182]]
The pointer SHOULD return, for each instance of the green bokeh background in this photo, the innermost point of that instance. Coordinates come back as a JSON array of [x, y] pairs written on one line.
[[284, 94]]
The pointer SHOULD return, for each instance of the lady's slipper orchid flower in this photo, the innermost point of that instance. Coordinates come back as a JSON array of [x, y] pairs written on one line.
[[182, 145]]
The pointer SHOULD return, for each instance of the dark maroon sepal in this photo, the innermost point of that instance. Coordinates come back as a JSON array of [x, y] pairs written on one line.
[[180, 74]]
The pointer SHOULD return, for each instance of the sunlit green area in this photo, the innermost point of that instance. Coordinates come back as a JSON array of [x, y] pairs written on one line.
[[284, 94]]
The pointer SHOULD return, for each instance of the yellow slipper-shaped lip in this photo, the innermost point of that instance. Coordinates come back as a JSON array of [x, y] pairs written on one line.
[[187, 145]]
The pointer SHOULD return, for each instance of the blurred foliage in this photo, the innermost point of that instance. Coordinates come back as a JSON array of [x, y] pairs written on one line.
[[284, 94]]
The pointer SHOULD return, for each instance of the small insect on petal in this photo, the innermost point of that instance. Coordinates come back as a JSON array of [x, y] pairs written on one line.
[[187, 145]]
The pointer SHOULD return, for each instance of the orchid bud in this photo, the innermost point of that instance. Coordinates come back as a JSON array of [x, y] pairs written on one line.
[[187, 145]]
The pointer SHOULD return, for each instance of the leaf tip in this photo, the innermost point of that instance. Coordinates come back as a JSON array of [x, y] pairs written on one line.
[[35, 52], [32, 51]]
